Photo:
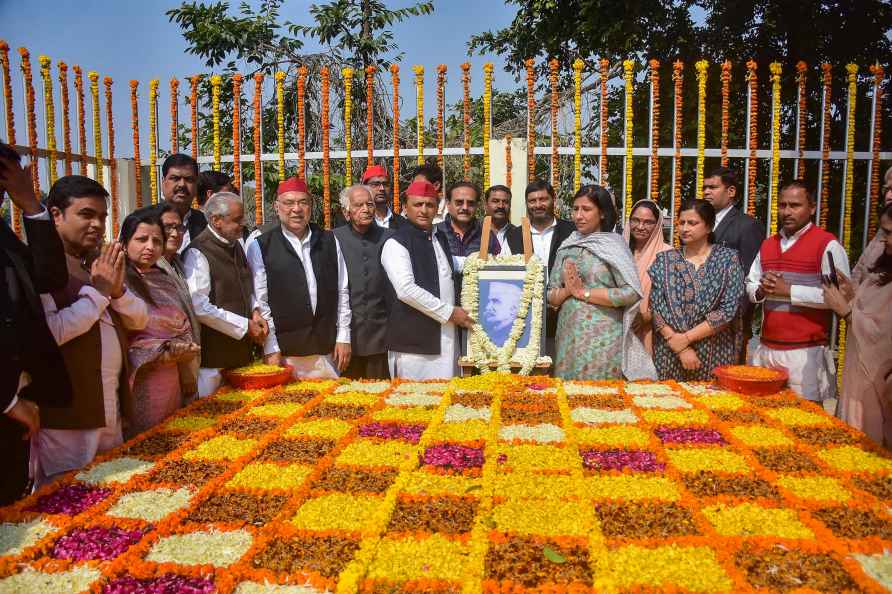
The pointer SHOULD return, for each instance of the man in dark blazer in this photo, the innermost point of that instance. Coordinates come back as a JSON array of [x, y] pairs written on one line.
[[548, 232], [734, 229], [179, 186], [32, 372], [497, 204]]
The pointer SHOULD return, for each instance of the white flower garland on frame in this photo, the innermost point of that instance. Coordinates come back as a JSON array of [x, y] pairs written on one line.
[[482, 352]]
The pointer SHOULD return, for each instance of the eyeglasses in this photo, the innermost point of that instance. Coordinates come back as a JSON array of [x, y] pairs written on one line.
[[171, 227], [376, 184], [291, 204], [636, 222]]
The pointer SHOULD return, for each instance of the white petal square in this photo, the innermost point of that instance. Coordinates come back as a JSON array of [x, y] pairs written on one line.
[[595, 416], [459, 413], [664, 402], [879, 567], [574, 388], [119, 470], [150, 506], [422, 388], [16, 537], [541, 433], [413, 399], [257, 588], [649, 389], [370, 387], [31, 581], [220, 549]]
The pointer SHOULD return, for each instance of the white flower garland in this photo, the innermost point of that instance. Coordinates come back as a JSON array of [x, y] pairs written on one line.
[[482, 352]]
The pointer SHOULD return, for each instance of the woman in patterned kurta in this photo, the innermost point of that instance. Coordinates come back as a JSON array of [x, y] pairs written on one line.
[[695, 301]]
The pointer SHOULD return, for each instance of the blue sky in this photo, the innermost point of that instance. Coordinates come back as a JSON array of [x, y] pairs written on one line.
[[132, 39]]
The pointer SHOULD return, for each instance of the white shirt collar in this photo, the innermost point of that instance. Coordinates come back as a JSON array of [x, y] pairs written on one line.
[[535, 231], [720, 215], [798, 234], [218, 236], [292, 237], [386, 220]]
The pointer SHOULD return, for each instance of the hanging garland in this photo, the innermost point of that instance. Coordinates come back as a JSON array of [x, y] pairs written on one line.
[[216, 82], [466, 119], [326, 175], [487, 120], [301, 123], [153, 139], [801, 72], [826, 81], [280, 121], [50, 116], [370, 111], [395, 77], [603, 64], [237, 131], [678, 79], [874, 199], [775, 69], [134, 123], [97, 124], [113, 166], [508, 164], [577, 124], [347, 73], [553, 65], [655, 131], [193, 103], [174, 115], [7, 92], [628, 72], [32, 124], [66, 122], [726, 93], [81, 118], [852, 77], [752, 80], [531, 120], [419, 113], [702, 66], [258, 149], [441, 110]]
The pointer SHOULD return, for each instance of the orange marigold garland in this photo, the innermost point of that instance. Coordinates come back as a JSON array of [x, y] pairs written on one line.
[[553, 65], [134, 123], [326, 191], [193, 103], [31, 120], [237, 131], [487, 120], [826, 81], [81, 118], [801, 112], [174, 114], [678, 79], [441, 110], [603, 64], [655, 130], [395, 76], [775, 69], [258, 149], [466, 118], [508, 164], [873, 198], [419, 113], [153, 140], [301, 123], [531, 119], [348, 118], [702, 67], [370, 113], [66, 116], [753, 132], [726, 92], [628, 73], [49, 116], [113, 166], [7, 92]]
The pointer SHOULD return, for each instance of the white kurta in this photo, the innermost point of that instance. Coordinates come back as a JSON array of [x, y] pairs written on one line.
[[811, 369], [397, 264], [310, 366], [61, 450]]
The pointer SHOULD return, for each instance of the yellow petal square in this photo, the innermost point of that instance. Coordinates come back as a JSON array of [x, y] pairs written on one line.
[[435, 557], [420, 482], [277, 409], [265, 475], [820, 488], [853, 459], [631, 487], [675, 417], [790, 415], [760, 436], [241, 395], [527, 485], [711, 459], [191, 423], [365, 452], [618, 435], [337, 511], [721, 402], [310, 386], [406, 415], [355, 398], [330, 428], [695, 569], [748, 519], [467, 431], [222, 447], [544, 517], [537, 457]]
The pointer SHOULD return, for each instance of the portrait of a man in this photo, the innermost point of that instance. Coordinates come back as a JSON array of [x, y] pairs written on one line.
[[499, 303]]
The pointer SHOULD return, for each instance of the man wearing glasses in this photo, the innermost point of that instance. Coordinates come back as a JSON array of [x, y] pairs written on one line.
[[375, 177], [361, 241]]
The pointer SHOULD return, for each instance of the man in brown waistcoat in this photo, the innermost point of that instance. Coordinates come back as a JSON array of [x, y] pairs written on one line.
[[222, 291], [89, 319]]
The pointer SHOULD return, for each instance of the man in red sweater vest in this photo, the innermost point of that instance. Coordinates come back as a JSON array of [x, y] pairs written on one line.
[[786, 278]]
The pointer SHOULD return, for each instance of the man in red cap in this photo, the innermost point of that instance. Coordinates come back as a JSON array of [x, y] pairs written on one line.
[[431, 172], [301, 283], [376, 178], [421, 332]]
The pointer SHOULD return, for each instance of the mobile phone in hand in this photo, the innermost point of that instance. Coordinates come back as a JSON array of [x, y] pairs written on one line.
[[834, 278]]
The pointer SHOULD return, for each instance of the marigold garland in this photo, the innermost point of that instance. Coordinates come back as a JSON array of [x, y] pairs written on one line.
[[419, 111], [193, 106], [775, 69], [347, 73], [395, 79], [553, 66], [603, 64], [153, 140], [301, 123], [702, 67], [134, 124], [174, 115], [216, 83], [577, 123], [7, 92], [441, 111], [326, 163], [726, 92], [826, 81], [852, 78], [237, 130], [97, 125], [31, 120], [113, 165], [678, 79], [370, 112], [531, 119], [50, 116], [466, 119], [655, 130], [752, 80], [487, 120], [508, 164], [874, 198], [801, 116], [258, 149], [628, 72]]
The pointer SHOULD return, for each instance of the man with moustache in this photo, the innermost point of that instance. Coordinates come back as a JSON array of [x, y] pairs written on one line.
[[376, 178], [361, 241], [431, 173], [497, 204], [301, 282], [462, 229], [179, 186]]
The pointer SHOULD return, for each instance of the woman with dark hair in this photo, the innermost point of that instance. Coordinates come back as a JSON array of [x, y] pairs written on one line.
[[162, 353], [644, 232], [695, 295], [865, 401], [595, 287]]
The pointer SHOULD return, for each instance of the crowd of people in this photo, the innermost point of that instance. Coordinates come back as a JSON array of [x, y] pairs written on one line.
[[107, 339]]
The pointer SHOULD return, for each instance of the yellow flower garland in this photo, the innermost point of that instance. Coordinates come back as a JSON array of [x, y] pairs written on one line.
[[419, 113], [97, 123], [702, 66], [280, 120], [216, 81], [852, 76], [347, 73], [487, 120], [628, 70], [775, 71], [50, 115], [153, 139], [577, 124]]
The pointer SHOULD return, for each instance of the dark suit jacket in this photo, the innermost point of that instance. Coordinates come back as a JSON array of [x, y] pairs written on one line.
[[197, 223], [38, 267], [743, 233]]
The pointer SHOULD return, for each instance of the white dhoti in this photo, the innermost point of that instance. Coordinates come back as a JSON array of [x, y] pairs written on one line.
[[209, 380], [812, 372], [313, 367]]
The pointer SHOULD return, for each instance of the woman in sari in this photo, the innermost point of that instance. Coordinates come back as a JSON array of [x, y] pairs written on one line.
[[865, 401], [160, 354], [695, 294], [644, 232], [595, 286]]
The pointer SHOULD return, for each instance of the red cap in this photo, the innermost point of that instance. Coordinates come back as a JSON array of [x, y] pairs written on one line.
[[292, 184], [422, 188], [373, 171]]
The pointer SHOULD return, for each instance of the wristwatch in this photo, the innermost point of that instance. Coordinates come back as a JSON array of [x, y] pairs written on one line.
[[586, 295]]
